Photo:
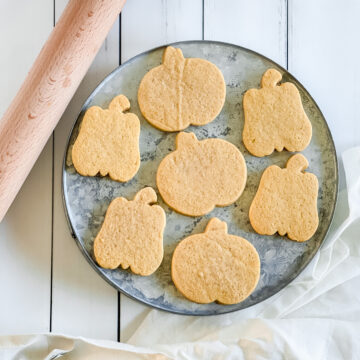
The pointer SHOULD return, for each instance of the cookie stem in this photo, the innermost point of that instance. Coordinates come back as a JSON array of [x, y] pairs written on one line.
[[216, 224], [297, 162], [146, 195], [270, 78], [172, 56], [120, 103], [184, 139]]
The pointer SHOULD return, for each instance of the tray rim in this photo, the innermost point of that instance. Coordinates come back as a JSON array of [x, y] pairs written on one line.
[[88, 257]]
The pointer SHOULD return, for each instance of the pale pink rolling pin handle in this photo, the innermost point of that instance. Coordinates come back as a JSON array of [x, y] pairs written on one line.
[[48, 88]]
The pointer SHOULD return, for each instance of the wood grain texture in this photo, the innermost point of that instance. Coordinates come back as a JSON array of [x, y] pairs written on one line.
[[48, 88], [159, 22], [25, 232], [324, 55], [82, 302]]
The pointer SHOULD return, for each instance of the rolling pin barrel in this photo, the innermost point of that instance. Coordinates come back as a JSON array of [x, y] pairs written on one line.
[[49, 87]]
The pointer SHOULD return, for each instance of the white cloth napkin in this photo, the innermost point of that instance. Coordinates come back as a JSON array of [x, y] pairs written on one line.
[[317, 316]]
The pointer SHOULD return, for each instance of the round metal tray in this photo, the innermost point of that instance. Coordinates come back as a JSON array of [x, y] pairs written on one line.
[[87, 198]]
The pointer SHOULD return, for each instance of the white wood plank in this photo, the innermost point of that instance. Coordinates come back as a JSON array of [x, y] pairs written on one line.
[[258, 25], [144, 25], [82, 302], [25, 233], [324, 55], [147, 24]]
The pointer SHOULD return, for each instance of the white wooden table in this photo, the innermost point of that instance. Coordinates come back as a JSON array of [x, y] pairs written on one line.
[[46, 283]]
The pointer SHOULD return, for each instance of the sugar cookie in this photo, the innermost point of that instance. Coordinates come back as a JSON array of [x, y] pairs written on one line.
[[286, 201], [132, 234], [108, 142], [275, 117], [215, 266], [181, 92], [200, 175]]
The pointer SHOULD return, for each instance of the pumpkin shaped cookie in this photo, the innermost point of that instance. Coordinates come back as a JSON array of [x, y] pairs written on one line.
[[275, 117], [215, 266], [200, 175], [108, 142], [132, 234], [181, 92], [286, 201]]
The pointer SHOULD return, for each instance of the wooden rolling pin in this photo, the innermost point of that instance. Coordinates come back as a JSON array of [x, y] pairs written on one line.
[[48, 88]]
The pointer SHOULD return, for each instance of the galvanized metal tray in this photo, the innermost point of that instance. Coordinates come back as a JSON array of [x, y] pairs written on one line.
[[87, 198]]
